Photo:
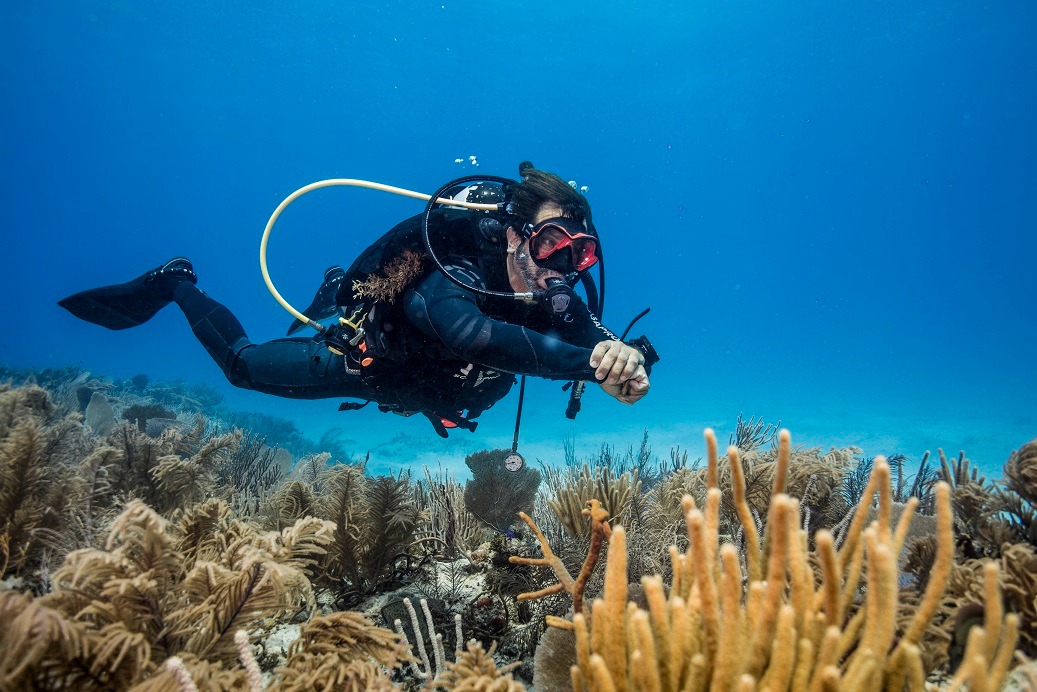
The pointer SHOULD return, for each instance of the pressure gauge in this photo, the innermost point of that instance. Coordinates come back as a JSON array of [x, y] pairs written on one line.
[[514, 462]]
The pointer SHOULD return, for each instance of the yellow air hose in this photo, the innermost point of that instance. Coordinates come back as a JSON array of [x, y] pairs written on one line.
[[336, 182]]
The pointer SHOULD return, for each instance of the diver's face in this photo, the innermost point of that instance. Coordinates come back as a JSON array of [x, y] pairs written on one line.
[[524, 275]]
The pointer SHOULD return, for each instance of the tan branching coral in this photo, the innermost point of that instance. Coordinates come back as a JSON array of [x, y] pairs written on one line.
[[574, 488], [794, 626], [1021, 471], [967, 592], [600, 532], [117, 614], [192, 478], [28, 630], [26, 487], [395, 277], [476, 671], [375, 521], [291, 501], [1017, 500], [50, 482], [995, 520], [813, 477], [446, 521], [21, 403], [341, 651]]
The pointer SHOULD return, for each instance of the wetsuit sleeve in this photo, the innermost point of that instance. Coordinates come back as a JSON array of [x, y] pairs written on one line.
[[585, 329], [450, 315]]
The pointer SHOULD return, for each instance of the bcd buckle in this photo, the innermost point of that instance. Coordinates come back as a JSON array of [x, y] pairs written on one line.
[[347, 337]]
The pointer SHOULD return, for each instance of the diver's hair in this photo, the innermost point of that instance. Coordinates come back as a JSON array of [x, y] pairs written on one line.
[[540, 187]]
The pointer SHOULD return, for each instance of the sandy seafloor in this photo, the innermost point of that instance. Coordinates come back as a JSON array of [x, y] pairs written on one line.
[[396, 443]]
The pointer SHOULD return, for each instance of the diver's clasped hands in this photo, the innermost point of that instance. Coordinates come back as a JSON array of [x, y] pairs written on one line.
[[620, 370]]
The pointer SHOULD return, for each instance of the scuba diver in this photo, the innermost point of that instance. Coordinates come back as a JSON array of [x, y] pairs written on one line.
[[428, 317]]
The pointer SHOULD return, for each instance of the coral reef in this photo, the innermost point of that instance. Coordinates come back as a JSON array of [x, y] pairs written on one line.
[[115, 615], [341, 651], [142, 413], [476, 671], [375, 522], [572, 490], [796, 621], [446, 521], [154, 547]]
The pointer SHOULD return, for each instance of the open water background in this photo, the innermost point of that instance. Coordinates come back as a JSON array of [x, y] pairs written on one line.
[[830, 207]]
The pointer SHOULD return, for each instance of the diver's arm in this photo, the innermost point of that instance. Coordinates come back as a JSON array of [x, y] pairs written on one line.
[[615, 362], [585, 329], [449, 314]]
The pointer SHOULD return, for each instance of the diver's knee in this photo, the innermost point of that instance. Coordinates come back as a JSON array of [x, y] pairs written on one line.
[[236, 368]]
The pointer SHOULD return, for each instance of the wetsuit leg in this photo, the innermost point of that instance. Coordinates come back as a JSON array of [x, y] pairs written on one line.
[[298, 368]]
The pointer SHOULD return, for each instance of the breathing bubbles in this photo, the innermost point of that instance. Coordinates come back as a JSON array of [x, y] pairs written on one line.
[[582, 188], [471, 161]]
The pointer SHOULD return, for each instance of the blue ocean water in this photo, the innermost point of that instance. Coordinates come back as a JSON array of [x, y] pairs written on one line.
[[829, 207]]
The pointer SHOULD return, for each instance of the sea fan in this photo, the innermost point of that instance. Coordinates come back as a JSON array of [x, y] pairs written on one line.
[[494, 494]]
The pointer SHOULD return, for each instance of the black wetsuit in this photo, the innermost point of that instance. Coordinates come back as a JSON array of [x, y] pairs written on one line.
[[453, 350]]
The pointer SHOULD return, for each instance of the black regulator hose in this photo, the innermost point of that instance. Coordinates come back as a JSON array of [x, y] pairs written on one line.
[[633, 322], [428, 240], [596, 298], [559, 298]]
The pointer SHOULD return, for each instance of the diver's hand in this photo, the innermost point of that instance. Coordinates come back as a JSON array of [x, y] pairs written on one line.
[[631, 391], [615, 362]]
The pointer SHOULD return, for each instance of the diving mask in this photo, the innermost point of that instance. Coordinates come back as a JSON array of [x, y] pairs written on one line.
[[563, 245]]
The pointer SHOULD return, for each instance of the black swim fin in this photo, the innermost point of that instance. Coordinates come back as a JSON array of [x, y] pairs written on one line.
[[323, 303], [132, 303]]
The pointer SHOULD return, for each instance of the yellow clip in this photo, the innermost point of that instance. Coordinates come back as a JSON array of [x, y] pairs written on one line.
[[355, 319]]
